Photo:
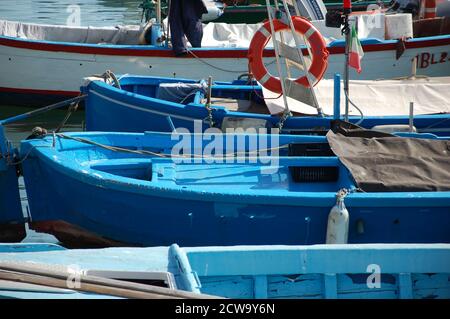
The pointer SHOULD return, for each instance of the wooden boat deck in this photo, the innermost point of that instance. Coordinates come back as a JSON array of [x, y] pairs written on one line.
[[246, 106]]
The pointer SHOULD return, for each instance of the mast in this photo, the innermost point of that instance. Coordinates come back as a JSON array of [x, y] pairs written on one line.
[[346, 30]]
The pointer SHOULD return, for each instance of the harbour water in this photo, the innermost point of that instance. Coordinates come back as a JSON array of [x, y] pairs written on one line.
[[93, 13], [16, 132]]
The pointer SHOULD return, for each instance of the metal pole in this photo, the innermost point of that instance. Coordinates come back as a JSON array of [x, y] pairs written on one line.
[[158, 11], [277, 58], [337, 97], [347, 6], [346, 75], [411, 117]]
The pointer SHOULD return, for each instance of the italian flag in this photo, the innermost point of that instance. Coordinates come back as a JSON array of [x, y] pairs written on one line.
[[356, 52]]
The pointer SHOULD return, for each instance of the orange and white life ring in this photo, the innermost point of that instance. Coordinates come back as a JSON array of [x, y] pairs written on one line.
[[429, 9], [262, 36]]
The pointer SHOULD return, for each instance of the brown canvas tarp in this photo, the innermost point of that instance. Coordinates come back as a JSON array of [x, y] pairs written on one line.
[[381, 162]]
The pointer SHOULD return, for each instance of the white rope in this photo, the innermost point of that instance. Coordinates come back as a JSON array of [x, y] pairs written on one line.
[[277, 58], [302, 58]]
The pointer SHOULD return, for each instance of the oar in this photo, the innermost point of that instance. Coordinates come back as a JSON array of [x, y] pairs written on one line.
[[43, 276]]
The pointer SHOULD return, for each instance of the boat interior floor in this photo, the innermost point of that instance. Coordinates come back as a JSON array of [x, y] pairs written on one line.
[[238, 105]]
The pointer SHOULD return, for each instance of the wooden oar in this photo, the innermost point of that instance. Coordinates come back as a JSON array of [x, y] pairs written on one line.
[[49, 277]]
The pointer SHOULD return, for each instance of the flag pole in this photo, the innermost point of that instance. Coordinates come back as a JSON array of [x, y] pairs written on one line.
[[346, 30]]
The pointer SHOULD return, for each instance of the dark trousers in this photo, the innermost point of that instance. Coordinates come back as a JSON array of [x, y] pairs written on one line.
[[185, 19]]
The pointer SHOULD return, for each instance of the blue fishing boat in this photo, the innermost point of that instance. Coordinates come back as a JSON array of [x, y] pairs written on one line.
[[11, 218], [152, 189], [387, 271], [141, 103]]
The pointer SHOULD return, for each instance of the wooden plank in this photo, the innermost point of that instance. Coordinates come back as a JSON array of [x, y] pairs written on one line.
[[295, 286], [405, 286], [431, 285], [260, 287], [39, 275], [263, 260], [330, 286], [288, 52], [236, 287]]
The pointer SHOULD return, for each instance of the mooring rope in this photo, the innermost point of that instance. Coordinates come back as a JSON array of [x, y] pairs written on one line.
[[162, 155]]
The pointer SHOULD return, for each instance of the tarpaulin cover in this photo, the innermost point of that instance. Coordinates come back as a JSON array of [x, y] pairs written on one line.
[[381, 162], [374, 98]]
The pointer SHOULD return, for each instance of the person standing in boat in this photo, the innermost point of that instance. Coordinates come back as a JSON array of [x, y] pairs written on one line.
[[185, 20]]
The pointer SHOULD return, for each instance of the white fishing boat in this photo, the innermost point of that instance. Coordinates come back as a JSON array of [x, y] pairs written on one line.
[[40, 63]]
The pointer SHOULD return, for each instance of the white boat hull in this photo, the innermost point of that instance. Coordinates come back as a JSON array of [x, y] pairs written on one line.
[[54, 69]]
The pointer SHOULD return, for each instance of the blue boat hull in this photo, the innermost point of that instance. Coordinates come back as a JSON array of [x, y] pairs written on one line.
[[12, 227], [134, 109], [99, 209]]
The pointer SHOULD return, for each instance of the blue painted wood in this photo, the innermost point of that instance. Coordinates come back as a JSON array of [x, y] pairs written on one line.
[[193, 202], [189, 278], [354, 286], [270, 273], [131, 110], [330, 286], [405, 286], [285, 286], [260, 287], [431, 285], [27, 248]]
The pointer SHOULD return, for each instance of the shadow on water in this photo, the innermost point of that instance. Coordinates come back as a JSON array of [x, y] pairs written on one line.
[[16, 132], [92, 13]]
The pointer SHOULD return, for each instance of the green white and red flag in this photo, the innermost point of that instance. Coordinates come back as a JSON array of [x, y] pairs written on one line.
[[356, 52]]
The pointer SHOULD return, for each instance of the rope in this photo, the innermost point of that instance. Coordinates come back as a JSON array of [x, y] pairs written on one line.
[[434, 124], [162, 155], [216, 67], [356, 107], [72, 108]]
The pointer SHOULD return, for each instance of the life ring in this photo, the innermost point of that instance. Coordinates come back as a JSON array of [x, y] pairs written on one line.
[[262, 36], [429, 9]]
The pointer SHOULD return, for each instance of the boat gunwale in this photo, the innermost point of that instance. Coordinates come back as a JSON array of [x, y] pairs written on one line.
[[120, 95], [86, 174], [335, 47]]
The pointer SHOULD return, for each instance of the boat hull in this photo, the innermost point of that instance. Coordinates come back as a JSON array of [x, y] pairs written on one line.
[[109, 211], [376, 271], [110, 109], [32, 69]]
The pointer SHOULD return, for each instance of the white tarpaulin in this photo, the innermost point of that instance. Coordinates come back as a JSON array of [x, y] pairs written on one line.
[[375, 98], [62, 33], [214, 34], [240, 35]]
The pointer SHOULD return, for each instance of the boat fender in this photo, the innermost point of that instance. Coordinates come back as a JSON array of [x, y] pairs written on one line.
[[338, 220], [312, 35]]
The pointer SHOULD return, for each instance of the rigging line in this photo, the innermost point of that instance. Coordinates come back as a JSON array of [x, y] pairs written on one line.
[[356, 107], [146, 152], [216, 67]]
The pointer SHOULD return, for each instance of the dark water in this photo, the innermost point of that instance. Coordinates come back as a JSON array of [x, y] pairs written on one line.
[[15, 132], [92, 12]]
